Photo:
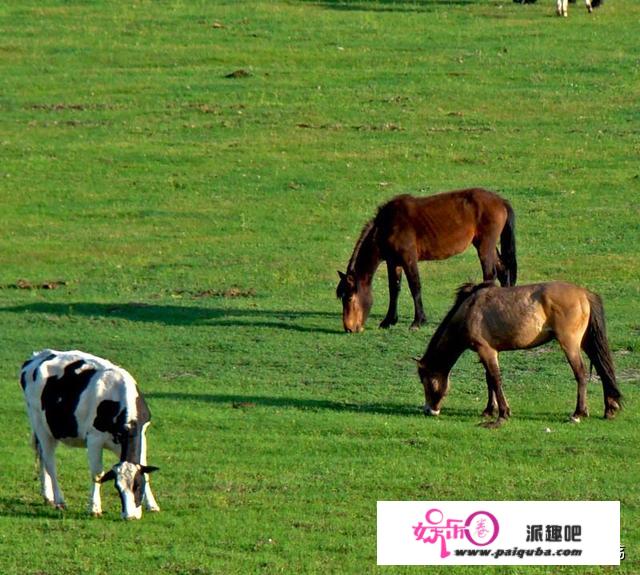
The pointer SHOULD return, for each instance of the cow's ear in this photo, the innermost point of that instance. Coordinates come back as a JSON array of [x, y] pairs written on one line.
[[108, 476], [148, 468]]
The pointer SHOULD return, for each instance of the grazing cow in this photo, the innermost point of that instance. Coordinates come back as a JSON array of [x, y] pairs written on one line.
[[563, 5], [86, 401]]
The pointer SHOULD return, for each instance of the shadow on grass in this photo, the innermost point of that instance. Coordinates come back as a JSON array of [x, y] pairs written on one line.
[[175, 315], [36, 509], [389, 5], [241, 401]]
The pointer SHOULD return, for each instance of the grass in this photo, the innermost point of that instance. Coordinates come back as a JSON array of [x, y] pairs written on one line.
[[197, 222]]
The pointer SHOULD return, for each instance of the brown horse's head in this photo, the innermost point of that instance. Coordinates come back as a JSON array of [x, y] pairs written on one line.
[[436, 386], [356, 302]]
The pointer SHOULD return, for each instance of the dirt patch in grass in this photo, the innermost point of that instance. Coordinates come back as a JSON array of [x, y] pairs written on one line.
[[26, 284], [238, 74], [231, 292]]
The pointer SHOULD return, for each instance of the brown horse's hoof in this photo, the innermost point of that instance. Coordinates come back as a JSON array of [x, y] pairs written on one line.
[[488, 412]]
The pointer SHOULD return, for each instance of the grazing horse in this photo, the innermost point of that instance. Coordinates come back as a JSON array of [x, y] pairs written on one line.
[[407, 230], [489, 319], [562, 6]]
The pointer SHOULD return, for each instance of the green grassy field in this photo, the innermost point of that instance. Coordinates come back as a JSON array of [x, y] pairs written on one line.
[[189, 223]]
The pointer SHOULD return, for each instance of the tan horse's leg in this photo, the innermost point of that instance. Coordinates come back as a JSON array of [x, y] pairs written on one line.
[[571, 347], [489, 359], [491, 401]]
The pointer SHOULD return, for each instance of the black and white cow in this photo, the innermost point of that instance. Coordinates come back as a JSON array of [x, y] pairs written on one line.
[[563, 5], [86, 401]]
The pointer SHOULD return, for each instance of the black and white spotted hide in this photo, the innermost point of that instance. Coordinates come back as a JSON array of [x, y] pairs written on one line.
[[85, 401]]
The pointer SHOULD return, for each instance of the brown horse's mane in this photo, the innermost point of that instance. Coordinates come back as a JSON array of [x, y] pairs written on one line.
[[356, 250], [463, 293]]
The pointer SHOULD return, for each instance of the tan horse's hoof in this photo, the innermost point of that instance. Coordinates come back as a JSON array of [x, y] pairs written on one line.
[[494, 424]]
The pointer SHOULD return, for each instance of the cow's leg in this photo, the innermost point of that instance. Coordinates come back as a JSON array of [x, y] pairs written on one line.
[[588, 4], [94, 454], [48, 473], [46, 489], [148, 498]]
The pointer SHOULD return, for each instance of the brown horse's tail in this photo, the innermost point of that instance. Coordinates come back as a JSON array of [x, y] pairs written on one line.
[[596, 346], [509, 274]]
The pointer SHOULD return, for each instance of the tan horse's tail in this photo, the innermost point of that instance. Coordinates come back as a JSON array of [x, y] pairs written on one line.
[[596, 346], [508, 249]]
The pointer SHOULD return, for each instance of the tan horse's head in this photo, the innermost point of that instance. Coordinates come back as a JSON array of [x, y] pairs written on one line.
[[356, 302], [436, 386]]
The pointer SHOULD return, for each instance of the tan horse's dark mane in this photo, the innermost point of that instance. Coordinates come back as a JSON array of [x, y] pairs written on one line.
[[463, 293]]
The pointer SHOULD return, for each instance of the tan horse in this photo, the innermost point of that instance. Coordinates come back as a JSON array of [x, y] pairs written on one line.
[[490, 319], [407, 230]]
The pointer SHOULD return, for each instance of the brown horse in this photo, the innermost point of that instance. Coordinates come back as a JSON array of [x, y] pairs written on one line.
[[407, 230], [489, 319]]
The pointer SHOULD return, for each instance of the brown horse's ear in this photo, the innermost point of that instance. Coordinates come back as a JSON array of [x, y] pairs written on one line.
[[418, 360], [342, 275]]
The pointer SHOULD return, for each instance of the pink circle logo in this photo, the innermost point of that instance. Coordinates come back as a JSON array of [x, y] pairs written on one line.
[[481, 528]]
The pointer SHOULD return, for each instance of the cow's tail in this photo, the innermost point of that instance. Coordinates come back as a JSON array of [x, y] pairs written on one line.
[[596, 347], [509, 273]]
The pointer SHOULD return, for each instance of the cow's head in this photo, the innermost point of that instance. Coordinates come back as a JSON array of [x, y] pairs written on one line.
[[130, 479]]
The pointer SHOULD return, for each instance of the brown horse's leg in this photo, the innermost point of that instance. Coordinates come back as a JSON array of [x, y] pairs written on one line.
[[489, 359], [394, 274], [410, 267], [572, 352], [501, 270], [488, 255]]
